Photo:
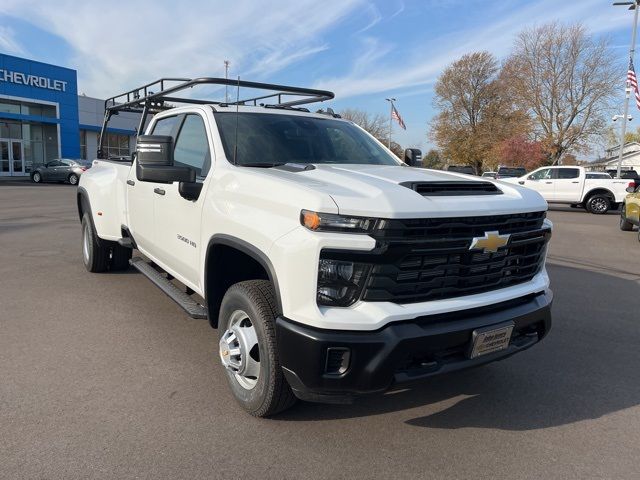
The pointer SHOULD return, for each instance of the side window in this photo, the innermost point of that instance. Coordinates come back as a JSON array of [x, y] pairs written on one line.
[[54, 163], [543, 174], [164, 126], [566, 173], [192, 147]]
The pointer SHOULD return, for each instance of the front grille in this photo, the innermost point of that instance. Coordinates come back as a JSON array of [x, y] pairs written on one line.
[[418, 260]]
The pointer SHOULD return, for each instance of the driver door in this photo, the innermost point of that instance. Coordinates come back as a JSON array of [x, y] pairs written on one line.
[[177, 219]]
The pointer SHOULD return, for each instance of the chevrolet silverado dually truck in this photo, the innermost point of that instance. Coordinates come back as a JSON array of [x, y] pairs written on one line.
[[571, 185], [329, 268]]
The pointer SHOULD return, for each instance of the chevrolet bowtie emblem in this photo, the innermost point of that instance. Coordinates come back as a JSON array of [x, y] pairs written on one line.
[[490, 242]]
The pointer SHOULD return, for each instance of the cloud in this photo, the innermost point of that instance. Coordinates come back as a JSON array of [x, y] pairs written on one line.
[[117, 45], [374, 18], [419, 64], [8, 42]]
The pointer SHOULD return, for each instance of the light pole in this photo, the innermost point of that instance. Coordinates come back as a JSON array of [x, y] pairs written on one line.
[[226, 76], [390, 100], [632, 6]]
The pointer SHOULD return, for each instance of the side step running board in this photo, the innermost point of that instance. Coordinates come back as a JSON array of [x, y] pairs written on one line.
[[193, 308]]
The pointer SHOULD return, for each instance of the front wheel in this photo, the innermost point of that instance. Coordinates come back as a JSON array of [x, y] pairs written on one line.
[[37, 178], [598, 204], [73, 179], [248, 349], [625, 225]]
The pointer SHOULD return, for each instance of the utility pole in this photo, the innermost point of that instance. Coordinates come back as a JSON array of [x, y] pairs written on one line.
[[632, 6], [226, 76], [390, 100]]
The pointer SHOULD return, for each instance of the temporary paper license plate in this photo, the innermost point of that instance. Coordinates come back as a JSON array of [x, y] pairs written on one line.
[[490, 339]]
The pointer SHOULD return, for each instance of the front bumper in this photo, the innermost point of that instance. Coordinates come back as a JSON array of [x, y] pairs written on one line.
[[404, 351]]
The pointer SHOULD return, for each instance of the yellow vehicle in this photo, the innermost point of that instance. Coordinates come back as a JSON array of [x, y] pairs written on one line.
[[630, 213]]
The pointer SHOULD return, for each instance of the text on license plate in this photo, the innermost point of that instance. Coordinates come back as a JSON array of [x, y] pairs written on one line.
[[490, 339]]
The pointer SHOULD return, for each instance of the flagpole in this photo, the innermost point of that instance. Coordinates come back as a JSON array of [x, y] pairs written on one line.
[[625, 115], [390, 100]]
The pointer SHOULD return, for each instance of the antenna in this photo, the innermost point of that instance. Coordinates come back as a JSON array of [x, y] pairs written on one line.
[[235, 148]]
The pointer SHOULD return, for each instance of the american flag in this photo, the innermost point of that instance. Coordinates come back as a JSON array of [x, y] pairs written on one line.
[[396, 116], [633, 82]]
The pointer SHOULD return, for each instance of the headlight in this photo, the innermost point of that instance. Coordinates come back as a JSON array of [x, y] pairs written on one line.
[[340, 282], [330, 222]]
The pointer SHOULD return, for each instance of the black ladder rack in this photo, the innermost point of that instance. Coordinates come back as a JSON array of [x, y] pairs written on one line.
[[157, 96]]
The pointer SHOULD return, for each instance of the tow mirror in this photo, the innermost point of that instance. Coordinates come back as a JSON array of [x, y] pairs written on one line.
[[165, 173], [154, 150], [413, 157]]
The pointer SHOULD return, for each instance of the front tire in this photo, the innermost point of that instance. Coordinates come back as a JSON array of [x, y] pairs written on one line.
[[598, 204], [625, 225], [248, 349], [73, 179], [95, 254], [37, 178]]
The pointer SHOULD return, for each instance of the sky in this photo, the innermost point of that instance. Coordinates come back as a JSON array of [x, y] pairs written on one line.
[[364, 51]]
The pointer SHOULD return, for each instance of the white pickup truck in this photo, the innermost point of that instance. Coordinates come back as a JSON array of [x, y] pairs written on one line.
[[329, 267], [573, 185]]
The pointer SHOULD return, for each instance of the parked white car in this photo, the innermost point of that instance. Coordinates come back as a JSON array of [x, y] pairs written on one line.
[[575, 186], [329, 267]]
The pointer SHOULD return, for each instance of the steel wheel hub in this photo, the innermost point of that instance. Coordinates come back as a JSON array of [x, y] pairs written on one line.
[[239, 350]]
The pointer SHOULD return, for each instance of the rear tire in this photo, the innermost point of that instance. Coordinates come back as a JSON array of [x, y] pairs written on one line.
[[625, 225], [598, 204], [120, 257], [247, 326], [95, 253]]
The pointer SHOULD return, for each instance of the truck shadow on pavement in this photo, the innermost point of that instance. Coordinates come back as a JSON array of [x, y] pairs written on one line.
[[587, 367]]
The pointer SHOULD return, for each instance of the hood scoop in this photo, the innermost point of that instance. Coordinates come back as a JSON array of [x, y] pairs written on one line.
[[454, 188]]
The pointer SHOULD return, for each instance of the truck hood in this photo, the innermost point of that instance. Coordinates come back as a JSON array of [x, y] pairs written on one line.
[[376, 191]]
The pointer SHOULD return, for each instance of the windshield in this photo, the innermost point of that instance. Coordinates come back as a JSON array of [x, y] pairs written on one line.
[[267, 139]]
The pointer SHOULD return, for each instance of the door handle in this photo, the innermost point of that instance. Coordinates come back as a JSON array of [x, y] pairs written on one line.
[[575, 182], [159, 191], [131, 182], [548, 183]]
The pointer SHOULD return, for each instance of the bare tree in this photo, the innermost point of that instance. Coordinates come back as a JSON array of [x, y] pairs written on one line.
[[376, 124], [565, 79], [474, 112]]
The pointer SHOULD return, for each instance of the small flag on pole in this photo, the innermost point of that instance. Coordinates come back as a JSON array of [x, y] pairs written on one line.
[[396, 116], [633, 82]]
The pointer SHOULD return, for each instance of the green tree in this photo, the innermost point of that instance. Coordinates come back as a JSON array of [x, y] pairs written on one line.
[[432, 159]]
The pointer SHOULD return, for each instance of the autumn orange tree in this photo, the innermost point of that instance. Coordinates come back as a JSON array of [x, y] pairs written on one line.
[[474, 113]]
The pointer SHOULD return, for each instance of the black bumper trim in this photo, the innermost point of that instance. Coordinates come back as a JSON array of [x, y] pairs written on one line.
[[404, 351]]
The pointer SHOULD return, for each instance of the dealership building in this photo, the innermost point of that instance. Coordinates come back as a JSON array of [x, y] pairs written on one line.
[[42, 117]]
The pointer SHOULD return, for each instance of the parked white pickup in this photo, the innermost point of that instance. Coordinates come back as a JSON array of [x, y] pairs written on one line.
[[571, 185]]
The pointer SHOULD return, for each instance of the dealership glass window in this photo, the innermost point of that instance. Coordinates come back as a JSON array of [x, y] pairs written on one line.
[[118, 145], [27, 108], [83, 144], [10, 129]]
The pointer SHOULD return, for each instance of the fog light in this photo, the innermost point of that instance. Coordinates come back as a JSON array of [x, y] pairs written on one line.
[[338, 359]]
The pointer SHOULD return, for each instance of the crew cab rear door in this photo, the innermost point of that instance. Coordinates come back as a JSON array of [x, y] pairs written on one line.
[[177, 219], [567, 184]]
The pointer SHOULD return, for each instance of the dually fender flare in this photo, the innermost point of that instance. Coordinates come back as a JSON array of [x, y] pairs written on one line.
[[250, 250]]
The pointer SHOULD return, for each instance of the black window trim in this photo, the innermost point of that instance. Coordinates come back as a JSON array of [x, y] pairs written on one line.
[[176, 132]]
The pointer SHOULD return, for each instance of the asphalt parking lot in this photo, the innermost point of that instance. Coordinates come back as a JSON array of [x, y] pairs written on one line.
[[102, 376]]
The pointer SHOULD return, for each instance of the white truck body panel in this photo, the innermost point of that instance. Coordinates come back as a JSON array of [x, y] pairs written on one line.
[[262, 207]]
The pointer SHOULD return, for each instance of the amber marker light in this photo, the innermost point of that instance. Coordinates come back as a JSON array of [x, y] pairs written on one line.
[[311, 220]]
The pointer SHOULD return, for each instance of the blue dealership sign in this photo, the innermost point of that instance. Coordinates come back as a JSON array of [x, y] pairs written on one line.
[[27, 80]]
